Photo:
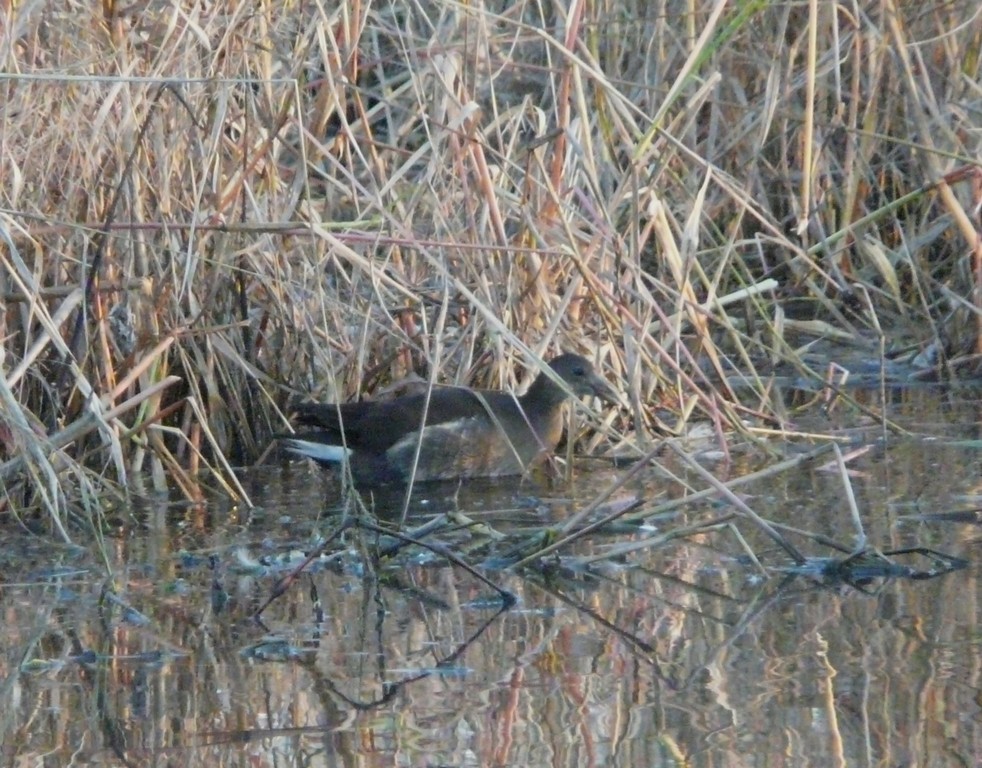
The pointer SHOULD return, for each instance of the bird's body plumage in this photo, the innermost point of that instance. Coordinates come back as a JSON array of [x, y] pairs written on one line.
[[465, 433]]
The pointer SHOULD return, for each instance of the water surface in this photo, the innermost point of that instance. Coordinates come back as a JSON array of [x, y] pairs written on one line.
[[682, 654]]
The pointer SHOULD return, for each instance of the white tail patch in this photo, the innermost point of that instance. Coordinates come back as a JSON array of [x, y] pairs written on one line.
[[317, 451]]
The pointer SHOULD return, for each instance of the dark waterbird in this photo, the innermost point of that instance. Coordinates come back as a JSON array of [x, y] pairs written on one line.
[[467, 432]]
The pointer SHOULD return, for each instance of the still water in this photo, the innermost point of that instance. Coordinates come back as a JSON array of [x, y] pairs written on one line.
[[680, 653]]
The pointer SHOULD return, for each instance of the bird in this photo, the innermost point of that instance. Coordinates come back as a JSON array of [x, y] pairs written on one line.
[[466, 433]]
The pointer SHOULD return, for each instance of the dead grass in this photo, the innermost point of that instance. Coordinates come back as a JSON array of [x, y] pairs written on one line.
[[209, 209]]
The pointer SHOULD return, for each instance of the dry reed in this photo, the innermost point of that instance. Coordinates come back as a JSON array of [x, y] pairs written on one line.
[[209, 209]]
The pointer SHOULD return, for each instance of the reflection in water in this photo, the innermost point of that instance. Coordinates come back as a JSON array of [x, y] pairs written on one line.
[[666, 655]]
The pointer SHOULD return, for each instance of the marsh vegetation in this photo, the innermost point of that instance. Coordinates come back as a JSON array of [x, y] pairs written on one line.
[[736, 212]]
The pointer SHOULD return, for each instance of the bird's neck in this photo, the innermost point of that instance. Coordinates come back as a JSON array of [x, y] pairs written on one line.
[[545, 392]]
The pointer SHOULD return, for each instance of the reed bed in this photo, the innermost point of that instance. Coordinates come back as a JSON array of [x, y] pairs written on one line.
[[208, 210]]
